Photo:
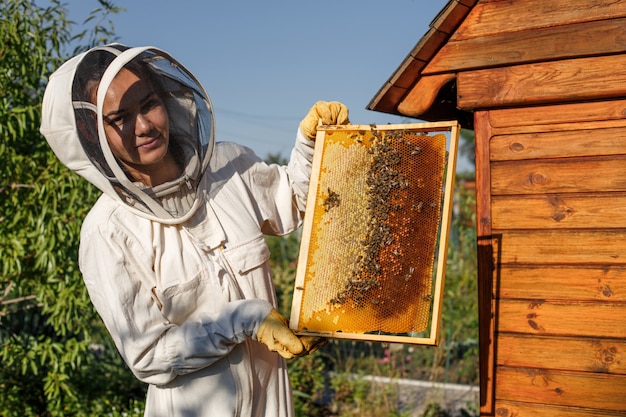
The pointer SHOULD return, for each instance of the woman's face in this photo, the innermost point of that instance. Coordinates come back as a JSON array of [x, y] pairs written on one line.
[[136, 123]]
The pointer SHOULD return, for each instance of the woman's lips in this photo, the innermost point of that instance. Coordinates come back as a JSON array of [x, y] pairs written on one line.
[[150, 144]]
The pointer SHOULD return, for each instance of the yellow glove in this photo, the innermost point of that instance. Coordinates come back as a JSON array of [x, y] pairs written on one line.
[[278, 337], [312, 343], [323, 113]]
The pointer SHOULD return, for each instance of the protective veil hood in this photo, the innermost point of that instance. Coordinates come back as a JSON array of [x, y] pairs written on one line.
[[73, 125]]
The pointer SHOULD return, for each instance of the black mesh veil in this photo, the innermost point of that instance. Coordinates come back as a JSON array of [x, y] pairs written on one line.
[[188, 107]]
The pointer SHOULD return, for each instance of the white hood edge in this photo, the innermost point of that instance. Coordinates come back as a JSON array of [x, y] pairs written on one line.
[[58, 126]]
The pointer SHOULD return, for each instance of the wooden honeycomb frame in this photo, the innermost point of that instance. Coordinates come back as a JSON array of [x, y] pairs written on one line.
[[374, 242]]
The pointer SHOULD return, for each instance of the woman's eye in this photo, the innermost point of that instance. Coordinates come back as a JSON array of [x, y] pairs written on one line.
[[117, 121], [151, 102], [149, 105]]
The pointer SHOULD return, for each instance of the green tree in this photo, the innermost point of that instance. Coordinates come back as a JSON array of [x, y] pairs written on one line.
[[51, 340]]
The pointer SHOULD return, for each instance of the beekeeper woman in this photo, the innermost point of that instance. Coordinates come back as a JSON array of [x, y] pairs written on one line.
[[173, 253]]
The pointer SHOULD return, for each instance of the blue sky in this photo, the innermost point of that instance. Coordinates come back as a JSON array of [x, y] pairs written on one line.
[[264, 63]]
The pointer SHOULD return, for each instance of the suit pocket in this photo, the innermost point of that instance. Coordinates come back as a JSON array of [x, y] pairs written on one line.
[[187, 301], [248, 255]]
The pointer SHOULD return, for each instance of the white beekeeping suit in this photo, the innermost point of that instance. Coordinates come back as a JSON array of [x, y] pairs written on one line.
[[179, 271]]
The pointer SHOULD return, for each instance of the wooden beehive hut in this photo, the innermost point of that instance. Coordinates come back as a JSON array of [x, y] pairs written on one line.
[[543, 86]]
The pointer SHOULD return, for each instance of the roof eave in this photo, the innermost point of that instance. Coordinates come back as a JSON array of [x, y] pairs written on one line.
[[390, 96]]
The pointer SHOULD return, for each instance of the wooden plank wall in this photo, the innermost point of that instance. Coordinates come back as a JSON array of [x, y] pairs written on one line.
[[557, 214], [546, 81]]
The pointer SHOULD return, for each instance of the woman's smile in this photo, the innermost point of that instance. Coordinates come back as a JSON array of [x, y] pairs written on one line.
[[151, 143]]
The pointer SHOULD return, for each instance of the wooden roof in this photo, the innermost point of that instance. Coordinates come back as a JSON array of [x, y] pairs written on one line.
[[500, 54], [437, 91]]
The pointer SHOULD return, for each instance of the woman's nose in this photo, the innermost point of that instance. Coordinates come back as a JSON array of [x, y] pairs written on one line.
[[142, 125]]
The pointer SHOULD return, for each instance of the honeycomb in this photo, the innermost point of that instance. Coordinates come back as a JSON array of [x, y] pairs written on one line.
[[369, 260]]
